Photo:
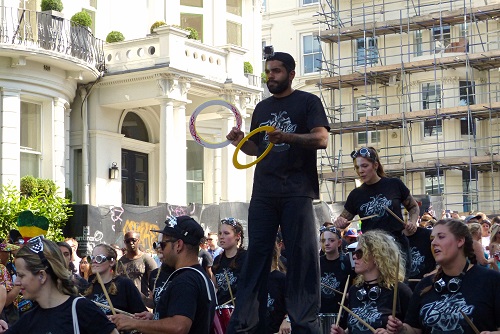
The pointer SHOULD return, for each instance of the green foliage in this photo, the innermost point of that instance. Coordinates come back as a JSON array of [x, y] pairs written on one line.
[[193, 33], [247, 67], [263, 76], [56, 5], [156, 25], [82, 18], [39, 196], [115, 36]]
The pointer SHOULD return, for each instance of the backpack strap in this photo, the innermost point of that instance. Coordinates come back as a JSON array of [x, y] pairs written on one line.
[[76, 327], [202, 275]]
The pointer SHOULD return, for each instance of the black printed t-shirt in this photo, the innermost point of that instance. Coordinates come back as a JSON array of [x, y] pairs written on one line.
[[276, 309], [127, 298], [333, 275], [59, 320], [478, 297], [372, 199], [221, 267], [376, 312], [157, 281], [422, 260], [288, 170], [186, 294]]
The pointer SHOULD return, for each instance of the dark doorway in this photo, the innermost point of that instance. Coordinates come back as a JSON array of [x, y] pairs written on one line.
[[135, 185]]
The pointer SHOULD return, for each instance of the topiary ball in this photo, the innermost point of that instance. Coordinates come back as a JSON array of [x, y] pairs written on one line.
[[115, 36]]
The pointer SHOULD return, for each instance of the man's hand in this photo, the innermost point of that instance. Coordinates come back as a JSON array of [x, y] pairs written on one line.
[[235, 136], [279, 137], [123, 322]]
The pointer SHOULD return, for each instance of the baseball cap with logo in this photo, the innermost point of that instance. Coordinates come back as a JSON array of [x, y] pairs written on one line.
[[183, 227]]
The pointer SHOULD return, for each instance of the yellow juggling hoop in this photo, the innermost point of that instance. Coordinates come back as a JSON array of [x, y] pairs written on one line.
[[236, 164]]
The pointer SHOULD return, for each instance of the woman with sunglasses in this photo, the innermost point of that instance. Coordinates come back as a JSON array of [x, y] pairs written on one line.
[[375, 196], [458, 286], [371, 296], [227, 266], [43, 276], [121, 290]]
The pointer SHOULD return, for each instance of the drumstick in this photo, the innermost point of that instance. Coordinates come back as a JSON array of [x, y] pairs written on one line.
[[414, 280], [364, 323], [395, 297], [117, 310], [229, 287], [343, 299], [367, 217], [105, 293], [229, 301], [395, 216], [474, 328], [329, 287]]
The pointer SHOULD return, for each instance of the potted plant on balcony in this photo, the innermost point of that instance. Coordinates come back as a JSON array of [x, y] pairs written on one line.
[[81, 35], [50, 24], [115, 36]]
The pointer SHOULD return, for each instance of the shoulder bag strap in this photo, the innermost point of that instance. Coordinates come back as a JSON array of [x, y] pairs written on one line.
[[76, 328]]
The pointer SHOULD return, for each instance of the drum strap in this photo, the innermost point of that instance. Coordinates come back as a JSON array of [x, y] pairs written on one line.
[[202, 275]]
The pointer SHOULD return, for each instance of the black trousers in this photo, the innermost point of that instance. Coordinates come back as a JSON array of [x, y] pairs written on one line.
[[295, 215]]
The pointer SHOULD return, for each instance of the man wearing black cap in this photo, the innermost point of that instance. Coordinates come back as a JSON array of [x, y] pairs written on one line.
[[285, 183], [187, 304]]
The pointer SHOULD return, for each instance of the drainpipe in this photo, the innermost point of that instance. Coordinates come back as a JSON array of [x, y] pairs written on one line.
[[85, 142]]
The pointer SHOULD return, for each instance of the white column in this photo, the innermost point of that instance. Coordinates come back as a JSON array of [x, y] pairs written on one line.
[[178, 189], [167, 137], [67, 150], [59, 145], [10, 128]]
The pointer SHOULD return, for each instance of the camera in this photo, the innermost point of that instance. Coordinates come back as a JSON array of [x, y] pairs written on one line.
[[268, 52]]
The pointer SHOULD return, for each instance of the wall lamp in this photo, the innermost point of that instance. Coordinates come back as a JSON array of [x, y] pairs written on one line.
[[114, 172]]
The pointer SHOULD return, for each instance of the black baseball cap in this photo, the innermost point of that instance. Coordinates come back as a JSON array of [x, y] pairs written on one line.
[[183, 227]]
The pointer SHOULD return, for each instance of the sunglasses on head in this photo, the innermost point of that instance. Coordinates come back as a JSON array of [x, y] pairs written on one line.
[[362, 152], [129, 240], [332, 229], [229, 221], [100, 258]]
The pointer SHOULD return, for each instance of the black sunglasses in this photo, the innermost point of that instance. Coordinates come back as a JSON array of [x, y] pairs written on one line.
[[129, 240], [163, 243], [358, 253]]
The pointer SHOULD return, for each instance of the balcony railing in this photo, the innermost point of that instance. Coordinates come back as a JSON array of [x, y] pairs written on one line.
[[44, 30]]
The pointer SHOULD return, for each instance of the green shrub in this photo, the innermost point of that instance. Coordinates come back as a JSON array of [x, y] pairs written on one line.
[[263, 76], [156, 25], [115, 36], [193, 33], [56, 5], [82, 18], [247, 67]]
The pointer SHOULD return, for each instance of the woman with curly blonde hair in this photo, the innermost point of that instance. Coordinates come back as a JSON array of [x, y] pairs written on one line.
[[371, 296], [122, 292], [495, 246]]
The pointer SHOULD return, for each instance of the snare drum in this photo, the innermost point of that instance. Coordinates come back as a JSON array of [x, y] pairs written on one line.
[[326, 321], [223, 314]]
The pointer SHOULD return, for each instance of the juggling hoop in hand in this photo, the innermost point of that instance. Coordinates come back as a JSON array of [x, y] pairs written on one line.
[[236, 164], [192, 126]]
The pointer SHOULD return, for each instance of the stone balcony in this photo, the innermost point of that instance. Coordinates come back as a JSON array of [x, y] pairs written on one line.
[[169, 47], [48, 38]]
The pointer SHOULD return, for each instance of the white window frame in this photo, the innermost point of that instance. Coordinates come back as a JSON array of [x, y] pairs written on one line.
[[32, 151], [371, 56], [310, 3], [367, 106], [314, 54]]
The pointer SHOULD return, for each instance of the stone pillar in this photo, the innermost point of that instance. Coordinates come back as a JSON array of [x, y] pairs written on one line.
[[59, 144], [178, 189], [67, 150], [10, 127], [167, 137]]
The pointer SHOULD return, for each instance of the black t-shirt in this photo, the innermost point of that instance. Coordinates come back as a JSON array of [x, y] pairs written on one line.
[[288, 170], [59, 320], [127, 298], [478, 297], [372, 199], [186, 294], [276, 309], [422, 260], [333, 275], [221, 268], [205, 258], [376, 312], [157, 281]]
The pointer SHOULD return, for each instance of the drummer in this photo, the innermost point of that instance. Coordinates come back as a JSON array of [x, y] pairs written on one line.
[[377, 193], [372, 295], [335, 268], [188, 303], [227, 265]]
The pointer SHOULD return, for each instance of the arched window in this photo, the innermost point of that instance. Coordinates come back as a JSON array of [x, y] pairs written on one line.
[[133, 127]]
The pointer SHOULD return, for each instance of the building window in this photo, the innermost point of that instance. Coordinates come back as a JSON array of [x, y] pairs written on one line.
[[133, 127], [311, 54], [467, 97], [418, 43], [367, 106], [193, 21], [434, 183], [31, 129], [192, 3], [367, 51], [234, 34], [264, 6], [309, 2], [234, 7], [194, 175], [431, 99], [469, 188], [440, 38]]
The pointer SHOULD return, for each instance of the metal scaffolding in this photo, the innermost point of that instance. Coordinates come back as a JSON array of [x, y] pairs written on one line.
[[418, 80]]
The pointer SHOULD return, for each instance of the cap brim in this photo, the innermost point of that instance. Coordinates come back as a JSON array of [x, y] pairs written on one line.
[[157, 231]]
